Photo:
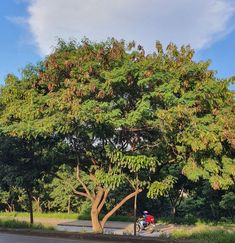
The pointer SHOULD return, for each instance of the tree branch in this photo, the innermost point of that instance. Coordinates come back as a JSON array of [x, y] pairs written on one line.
[[106, 192], [180, 197], [82, 183], [136, 129], [73, 189], [98, 198], [130, 183], [80, 193], [110, 213]]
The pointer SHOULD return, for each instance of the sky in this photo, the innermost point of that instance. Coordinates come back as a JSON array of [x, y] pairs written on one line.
[[30, 28]]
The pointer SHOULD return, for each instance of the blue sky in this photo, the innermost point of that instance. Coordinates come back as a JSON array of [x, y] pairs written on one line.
[[30, 27], [15, 46]]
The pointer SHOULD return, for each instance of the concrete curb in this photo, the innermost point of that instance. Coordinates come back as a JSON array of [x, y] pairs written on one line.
[[89, 236]]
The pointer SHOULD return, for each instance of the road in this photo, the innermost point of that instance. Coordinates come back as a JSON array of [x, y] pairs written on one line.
[[13, 238]]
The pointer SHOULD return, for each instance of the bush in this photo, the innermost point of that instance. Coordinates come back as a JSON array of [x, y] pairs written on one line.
[[84, 211], [188, 219]]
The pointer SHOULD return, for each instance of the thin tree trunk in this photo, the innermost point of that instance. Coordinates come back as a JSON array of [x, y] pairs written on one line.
[[30, 206], [9, 207], [135, 208], [173, 211], [213, 211], [69, 203]]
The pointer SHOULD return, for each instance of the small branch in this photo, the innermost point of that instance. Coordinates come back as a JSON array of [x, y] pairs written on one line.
[[73, 189], [124, 145], [82, 183], [101, 205], [137, 129], [130, 183], [180, 197], [171, 200], [110, 141], [98, 197], [94, 162], [150, 145], [83, 194], [92, 177], [110, 213], [77, 192], [172, 147], [34, 198]]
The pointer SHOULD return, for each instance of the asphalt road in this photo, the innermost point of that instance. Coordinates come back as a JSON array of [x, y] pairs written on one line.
[[13, 238]]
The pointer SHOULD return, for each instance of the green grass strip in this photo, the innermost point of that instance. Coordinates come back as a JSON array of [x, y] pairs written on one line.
[[204, 234], [16, 224]]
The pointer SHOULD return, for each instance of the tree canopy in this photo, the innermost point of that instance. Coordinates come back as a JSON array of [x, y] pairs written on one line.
[[125, 116]]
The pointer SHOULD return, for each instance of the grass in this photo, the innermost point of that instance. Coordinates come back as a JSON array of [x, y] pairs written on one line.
[[40, 215], [16, 224], [195, 221], [205, 234], [72, 216], [219, 223], [122, 218], [112, 218]]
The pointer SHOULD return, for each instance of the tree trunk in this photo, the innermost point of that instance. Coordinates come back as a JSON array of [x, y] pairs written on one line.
[[96, 225], [30, 206], [98, 199], [173, 211], [9, 207], [69, 202], [135, 218], [213, 211]]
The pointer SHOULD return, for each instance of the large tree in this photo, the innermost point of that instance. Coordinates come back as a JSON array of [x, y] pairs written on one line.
[[125, 116]]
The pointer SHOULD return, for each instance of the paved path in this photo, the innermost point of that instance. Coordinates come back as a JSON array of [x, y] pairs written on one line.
[[114, 227], [87, 223], [85, 227]]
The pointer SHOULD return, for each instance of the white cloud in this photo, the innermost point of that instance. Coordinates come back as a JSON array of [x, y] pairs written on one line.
[[198, 23]]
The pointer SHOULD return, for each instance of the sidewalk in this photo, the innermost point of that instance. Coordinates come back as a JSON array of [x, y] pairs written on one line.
[[109, 224], [111, 228], [84, 226], [117, 228]]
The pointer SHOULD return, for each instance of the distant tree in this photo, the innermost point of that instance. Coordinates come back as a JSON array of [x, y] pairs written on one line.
[[12, 199], [61, 195], [181, 187], [23, 163], [227, 203]]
